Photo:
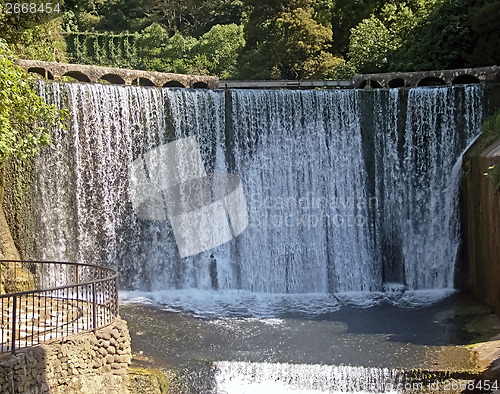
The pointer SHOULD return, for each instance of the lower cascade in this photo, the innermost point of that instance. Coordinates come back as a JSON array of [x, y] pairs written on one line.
[[233, 377], [346, 190]]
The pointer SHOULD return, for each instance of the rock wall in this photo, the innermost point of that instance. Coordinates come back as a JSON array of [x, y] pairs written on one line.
[[481, 222], [85, 363]]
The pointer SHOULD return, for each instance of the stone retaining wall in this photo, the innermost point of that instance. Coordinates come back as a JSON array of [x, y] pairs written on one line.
[[481, 222], [85, 363]]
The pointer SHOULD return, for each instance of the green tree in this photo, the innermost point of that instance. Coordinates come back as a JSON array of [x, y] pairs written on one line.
[[438, 42], [368, 45], [375, 39], [159, 52], [427, 35], [197, 17], [24, 116], [284, 40], [221, 47], [33, 35], [345, 15], [303, 42], [121, 15], [483, 19], [151, 48]]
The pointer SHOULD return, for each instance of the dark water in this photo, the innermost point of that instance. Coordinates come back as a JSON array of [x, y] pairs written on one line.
[[384, 339]]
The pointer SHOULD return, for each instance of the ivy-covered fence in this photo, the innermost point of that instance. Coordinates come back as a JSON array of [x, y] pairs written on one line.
[[104, 49], [214, 53]]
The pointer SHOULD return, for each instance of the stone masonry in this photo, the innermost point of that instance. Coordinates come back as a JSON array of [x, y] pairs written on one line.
[[84, 363], [445, 77], [119, 76]]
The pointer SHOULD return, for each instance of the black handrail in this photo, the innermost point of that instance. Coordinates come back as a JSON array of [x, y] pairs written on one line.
[[87, 300]]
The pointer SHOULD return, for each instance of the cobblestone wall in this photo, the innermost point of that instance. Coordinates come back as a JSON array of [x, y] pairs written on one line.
[[84, 363]]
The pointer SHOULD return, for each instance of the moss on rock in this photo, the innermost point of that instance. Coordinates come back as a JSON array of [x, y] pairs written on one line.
[[15, 279], [150, 381]]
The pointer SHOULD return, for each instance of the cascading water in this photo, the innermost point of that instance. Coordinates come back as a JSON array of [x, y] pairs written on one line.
[[343, 193], [417, 178], [347, 191], [307, 223], [299, 378]]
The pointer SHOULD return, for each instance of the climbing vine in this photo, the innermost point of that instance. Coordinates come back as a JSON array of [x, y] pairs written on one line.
[[24, 116], [114, 50]]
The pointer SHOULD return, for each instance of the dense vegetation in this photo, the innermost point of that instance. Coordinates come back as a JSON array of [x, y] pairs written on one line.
[[257, 39], [24, 116]]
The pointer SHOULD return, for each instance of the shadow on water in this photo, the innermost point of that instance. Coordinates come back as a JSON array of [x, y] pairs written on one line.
[[440, 324], [364, 339], [381, 335]]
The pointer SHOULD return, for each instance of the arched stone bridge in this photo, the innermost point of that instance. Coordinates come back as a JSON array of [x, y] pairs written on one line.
[[119, 76], [428, 78]]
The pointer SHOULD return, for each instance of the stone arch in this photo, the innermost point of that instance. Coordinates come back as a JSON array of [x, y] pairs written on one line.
[[465, 79], [141, 81], [79, 76], [173, 84], [397, 83], [371, 83], [113, 79], [41, 71], [431, 81], [200, 85]]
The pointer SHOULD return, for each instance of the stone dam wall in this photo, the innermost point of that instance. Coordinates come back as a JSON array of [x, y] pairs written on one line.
[[83, 363], [481, 223], [478, 267]]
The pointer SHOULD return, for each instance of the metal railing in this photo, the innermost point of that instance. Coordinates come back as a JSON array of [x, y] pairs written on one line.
[[43, 300]]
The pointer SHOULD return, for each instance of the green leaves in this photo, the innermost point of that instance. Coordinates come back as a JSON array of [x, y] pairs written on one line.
[[375, 39], [216, 52], [259, 39], [427, 35], [369, 44], [288, 41], [221, 46], [25, 118]]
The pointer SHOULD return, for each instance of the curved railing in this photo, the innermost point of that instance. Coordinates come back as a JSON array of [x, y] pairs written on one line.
[[46, 300]]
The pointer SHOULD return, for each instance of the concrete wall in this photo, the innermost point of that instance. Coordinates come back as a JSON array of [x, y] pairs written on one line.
[[84, 363], [481, 222]]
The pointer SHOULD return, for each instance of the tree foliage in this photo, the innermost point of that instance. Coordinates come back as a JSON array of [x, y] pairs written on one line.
[[221, 46], [483, 19], [33, 35], [345, 15], [427, 35], [188, 17], [285, 40], [216, 52], [261, 39], [437, 42], [24, 116], [374, 40]]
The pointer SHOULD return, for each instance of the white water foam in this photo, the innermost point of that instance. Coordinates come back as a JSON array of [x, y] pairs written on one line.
[[242, 377], [245, 304]]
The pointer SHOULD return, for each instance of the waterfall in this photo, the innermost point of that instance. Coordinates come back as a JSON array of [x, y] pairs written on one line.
[[418, 176], [245, 377], [304, 175], [345, 189]]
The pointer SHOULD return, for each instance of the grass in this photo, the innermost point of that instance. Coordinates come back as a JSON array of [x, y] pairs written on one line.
[[491, 131]]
